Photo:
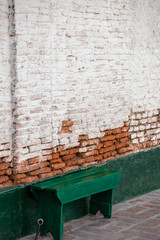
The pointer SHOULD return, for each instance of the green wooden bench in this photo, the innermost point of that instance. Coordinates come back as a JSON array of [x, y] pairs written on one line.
[[96, 182]]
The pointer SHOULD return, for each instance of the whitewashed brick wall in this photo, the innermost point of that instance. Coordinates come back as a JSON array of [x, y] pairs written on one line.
[[5, 91], [78, 68]]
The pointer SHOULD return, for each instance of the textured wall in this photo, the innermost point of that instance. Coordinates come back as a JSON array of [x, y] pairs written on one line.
[[85, 83], [5, 96]]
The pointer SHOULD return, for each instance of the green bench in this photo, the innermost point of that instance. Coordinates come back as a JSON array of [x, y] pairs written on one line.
[[96, 182]]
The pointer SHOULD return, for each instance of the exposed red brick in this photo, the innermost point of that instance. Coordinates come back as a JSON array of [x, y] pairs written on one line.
[[91, 153], [99, 146], [64, 153], [46, 158], [67, 123], [18, 176], [123, 150], [33, 160], [58, 160], [58, 166], [44, 164], [108, 132], [125, 129], [82, 138], [25, 169], [123, 140], [73, 151], [93, 158], [121, 145], [109, 143], [113, 153], [55, 155], [65, 129], [72, 163], [90, 142], [68, 157], [46, 175], [117, 130], [39, 171], [27, 180], [121, 135], [22, 163], [80, 161], [66, 169], [8, 171], [108, 149], [106, 155], [6, 184], [4, 166], [4, 179], [108, 138]]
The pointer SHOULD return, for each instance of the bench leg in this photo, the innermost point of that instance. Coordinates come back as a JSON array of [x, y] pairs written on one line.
[[102, 202], [51, 211], [56, 219]]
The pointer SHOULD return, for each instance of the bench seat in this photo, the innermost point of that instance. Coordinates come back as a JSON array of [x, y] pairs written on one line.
[[96, 182]]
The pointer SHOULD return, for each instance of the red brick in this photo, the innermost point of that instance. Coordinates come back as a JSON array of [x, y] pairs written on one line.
[[6, 184], [44, 164], [46, 175], [121, 145], [90, 142], [68, 157], [123, 140], [125, 129], [117, 130], [121, 135], [108, 138], [4, 166], [46, 158], [109, 143], [91, 153], [65, 129], [123, 150], [113, 153], [18, 176], [58, 166], [39, 171], [99, 146], [108, 149], [25, 169], [4, 179], [2, 172], [23, 163], [107, 132], [66, 169], [55, 155], [64, 153], [27, 180], [106, 155], [82, 138], [74, 151], [80, 161], [93, 158], [34, 160], [67, 123], [8, 171], [72, 163], [58, 160]]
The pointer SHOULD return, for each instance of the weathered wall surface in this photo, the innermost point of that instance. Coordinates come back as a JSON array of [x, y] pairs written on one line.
[[86, 86], [5, 97]]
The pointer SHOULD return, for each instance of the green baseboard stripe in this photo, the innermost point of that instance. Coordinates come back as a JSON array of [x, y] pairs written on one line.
[[19, 210]]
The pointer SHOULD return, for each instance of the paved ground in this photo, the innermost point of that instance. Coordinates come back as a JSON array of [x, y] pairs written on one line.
[[137, 219]]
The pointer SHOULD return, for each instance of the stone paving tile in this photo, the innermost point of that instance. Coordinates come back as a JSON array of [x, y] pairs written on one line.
[[135, 219]]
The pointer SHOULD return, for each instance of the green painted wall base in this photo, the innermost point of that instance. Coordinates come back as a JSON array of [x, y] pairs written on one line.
[[19, 209]]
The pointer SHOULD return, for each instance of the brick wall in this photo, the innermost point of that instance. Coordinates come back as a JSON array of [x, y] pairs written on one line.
[[84, 84], [5, 98]]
